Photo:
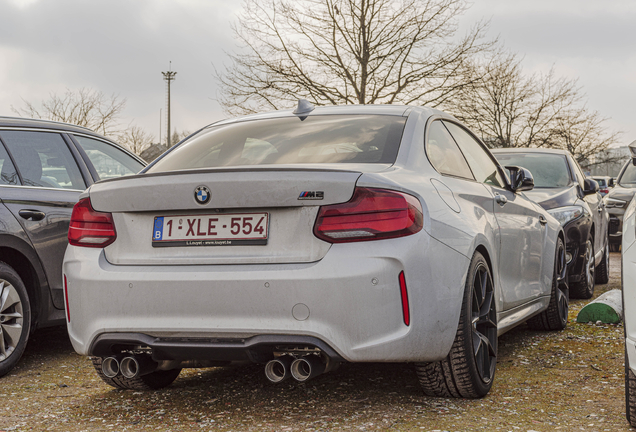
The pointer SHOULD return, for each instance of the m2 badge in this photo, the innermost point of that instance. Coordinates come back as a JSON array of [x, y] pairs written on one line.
[[311, 195]]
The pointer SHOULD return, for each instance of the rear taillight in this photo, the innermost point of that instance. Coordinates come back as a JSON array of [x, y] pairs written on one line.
[[90, 228], [372, 214]]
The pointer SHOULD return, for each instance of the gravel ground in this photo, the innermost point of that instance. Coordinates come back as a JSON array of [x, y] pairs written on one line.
[[570, 381]]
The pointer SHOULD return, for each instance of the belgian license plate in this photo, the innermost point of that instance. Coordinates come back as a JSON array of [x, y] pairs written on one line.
[[211, 230]]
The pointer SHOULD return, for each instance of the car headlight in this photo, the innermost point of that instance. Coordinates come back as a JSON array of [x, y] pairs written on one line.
[[614, 203], [567, 214]]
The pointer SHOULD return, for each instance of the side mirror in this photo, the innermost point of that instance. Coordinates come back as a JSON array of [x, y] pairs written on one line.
[[590, 186], [611, 182], [520, 179], [632, 149]]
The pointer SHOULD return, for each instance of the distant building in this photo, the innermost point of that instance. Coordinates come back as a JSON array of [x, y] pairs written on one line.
[[153, 152]]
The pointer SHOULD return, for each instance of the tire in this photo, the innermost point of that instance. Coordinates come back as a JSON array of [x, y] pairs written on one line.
[[584, 288], [15, 318], [152, 381], [468, 371], [630, 393], [555, 317], [615, 247], [602, 270]]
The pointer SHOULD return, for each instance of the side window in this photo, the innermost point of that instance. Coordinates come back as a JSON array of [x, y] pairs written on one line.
[[483, 167], [43, 159], [8, 174], [444, 154], [577, 171], [108, 160]]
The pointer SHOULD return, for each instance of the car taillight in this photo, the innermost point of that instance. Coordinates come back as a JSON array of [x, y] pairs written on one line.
[[90, 228], [371, 214]]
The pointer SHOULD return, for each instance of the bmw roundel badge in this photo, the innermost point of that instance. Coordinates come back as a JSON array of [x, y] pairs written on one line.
[[202, 194]]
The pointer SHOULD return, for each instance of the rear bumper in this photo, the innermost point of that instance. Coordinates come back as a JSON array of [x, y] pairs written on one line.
[[349, 302], [255, 349]]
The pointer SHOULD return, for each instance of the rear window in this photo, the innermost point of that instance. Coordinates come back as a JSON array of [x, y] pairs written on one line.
[[548, 170], [315, 139]]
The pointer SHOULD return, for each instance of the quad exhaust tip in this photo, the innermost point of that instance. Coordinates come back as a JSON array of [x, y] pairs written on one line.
[[306, 368], [110, 367], [129, 367], [277, 370], [301, 369]]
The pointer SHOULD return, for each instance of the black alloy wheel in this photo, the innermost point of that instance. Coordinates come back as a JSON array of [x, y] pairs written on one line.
[[555, 317], [484, 324], [584, 288], [469, 368]]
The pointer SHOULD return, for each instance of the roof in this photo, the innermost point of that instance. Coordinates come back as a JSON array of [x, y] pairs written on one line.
[[396, 110], [530, 150], [27, 123], [43, 124]]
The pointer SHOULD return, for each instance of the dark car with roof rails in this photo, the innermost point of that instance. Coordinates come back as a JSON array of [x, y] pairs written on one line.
[[44, 167], [573, 199]]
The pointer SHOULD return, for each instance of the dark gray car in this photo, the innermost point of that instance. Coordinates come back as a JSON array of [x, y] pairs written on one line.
[[44, 166], [573, 199]]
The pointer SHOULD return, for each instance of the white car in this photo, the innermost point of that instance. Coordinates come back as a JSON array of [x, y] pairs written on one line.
[[302, 239], [628, 276]]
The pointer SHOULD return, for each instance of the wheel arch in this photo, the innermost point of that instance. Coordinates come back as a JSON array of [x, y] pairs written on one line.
[[19, 255], [484, 252]]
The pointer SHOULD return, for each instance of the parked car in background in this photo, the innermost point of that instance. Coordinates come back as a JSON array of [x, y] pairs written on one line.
[[564, 191], [605, 183], [44, 167], [303, 239], [619, 198]]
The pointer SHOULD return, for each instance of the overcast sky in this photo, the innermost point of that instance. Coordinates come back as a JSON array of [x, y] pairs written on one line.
[[121, 47]]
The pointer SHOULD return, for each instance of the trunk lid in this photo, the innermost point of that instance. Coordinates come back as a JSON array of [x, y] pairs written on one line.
[[136, 202]]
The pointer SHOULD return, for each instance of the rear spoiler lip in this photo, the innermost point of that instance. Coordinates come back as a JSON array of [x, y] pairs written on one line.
[[232, 169]]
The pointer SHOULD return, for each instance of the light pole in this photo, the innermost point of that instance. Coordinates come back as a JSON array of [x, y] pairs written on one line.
[[168, 76]]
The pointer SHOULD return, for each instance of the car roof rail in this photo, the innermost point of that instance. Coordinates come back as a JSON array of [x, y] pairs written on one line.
[[44, 121]]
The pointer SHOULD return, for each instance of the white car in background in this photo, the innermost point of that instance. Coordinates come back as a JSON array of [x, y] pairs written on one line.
[[302, 239]]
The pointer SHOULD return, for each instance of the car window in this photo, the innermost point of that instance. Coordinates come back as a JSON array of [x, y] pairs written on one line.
[[444, 154], [627, 177], [8, 174], [548, 170], [108, 160], [43, 159], [578, 172], [483, 167], [290, 140]]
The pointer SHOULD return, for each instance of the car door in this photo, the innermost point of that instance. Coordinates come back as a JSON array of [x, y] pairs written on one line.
[[597, 209], [48, 185], [521, 226]]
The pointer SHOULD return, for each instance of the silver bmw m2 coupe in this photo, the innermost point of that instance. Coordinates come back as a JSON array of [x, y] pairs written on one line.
[[303, 239]]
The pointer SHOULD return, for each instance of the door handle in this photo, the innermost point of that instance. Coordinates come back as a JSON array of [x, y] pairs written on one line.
[[501, 200], [542, 220], [34, 215]]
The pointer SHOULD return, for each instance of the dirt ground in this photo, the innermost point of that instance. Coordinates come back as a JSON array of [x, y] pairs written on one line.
[[570, 381]]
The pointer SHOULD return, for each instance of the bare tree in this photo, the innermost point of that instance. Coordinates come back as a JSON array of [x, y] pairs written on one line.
[[508, 108], [348, 52], [178, 136], [84, 107], [136, 139], [584, 134]]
